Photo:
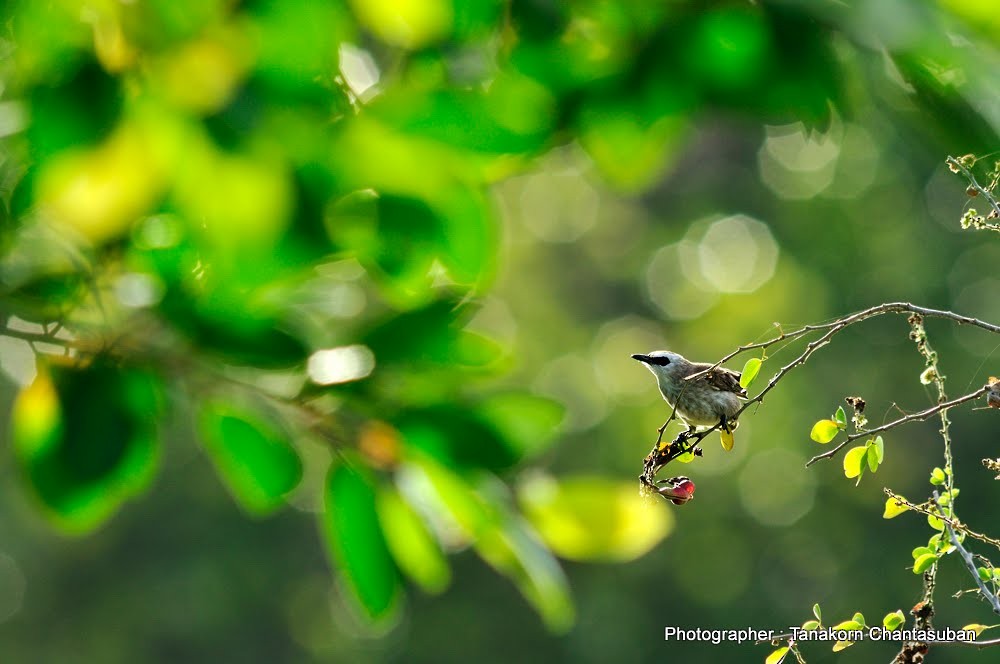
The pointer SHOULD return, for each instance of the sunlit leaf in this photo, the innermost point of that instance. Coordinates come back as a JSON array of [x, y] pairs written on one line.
[[894, 620], [501, 539], [824, 431], [854, 461], [937, 476], [777, 656], [527, 422], [842, 645], [810, 625], [923, 563], [893, 508], [414, 547], [254, 459], [817, 612], [593, 518], [750, 371], [355, 542], [840, 416]]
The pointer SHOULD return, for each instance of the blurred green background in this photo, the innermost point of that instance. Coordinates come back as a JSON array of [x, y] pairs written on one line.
[[301, 287]]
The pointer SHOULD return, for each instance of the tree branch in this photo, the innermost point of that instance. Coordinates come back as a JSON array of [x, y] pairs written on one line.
[[971, 564], [913, 417]]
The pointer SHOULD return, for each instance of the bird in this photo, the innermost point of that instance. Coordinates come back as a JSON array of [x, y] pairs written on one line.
[[712, 399]]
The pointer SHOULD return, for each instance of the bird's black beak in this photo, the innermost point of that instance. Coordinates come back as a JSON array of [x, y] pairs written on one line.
[[642, 358]]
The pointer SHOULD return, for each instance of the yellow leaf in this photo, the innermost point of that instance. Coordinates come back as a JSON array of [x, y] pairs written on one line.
[[893, 509], [842, 645], [727, 439], [777, 657], [824, 431], [853, 461]]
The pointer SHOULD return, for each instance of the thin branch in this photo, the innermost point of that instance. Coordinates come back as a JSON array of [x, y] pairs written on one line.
[[971, 564], [986, 193], [913, 417], [954, 523]]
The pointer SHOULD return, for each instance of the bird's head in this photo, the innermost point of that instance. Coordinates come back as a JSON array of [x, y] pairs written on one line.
[[663, 362]]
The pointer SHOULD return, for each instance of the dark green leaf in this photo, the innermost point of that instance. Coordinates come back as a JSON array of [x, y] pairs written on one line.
[[86, 440]]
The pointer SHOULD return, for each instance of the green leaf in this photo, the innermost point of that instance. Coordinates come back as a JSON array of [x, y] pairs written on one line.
[[923, 563], [824, 431], [842, 645], [879, 447], [591, 518], [86, 440], [817, 613], [893, 509], [921, 551], [894, 620], [871, 455], [935, 522], [414, 547], [749, 373], [499, 537], [253, 458], [848, 625], [937, 476], [356, 544], [854, 462], [840, 416], [810, 624], [777, 656], [984, 574], [528, 423], [859, 618]]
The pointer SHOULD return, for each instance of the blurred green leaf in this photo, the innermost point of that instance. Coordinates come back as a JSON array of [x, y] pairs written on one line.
[[501, 539], [810, 624], [860, 619], [356, 543], [254, 459], [750, 371], [414, 547], [817, 612], [527, 422], [593, 518], [432, 335], [85, 438]]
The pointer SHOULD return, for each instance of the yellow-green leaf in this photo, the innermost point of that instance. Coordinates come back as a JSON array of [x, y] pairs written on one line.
[[848, 625], [853, 461], [894, 620], [893, 509], [810, 625], [749, 373], [977, 628], [842, 645], [593, 518], [778, 656], [923, 563], [824, 431], [411, 543]]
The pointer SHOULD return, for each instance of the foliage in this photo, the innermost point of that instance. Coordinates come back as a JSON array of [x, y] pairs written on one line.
[[300, 232]]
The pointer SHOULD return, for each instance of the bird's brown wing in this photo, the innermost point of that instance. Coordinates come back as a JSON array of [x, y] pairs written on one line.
[[725, 380]]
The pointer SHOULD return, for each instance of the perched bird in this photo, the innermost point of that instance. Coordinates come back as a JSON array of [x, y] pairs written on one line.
[[712, 398]]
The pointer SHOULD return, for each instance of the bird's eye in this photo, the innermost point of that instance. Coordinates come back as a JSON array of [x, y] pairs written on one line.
[[661, 361]]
